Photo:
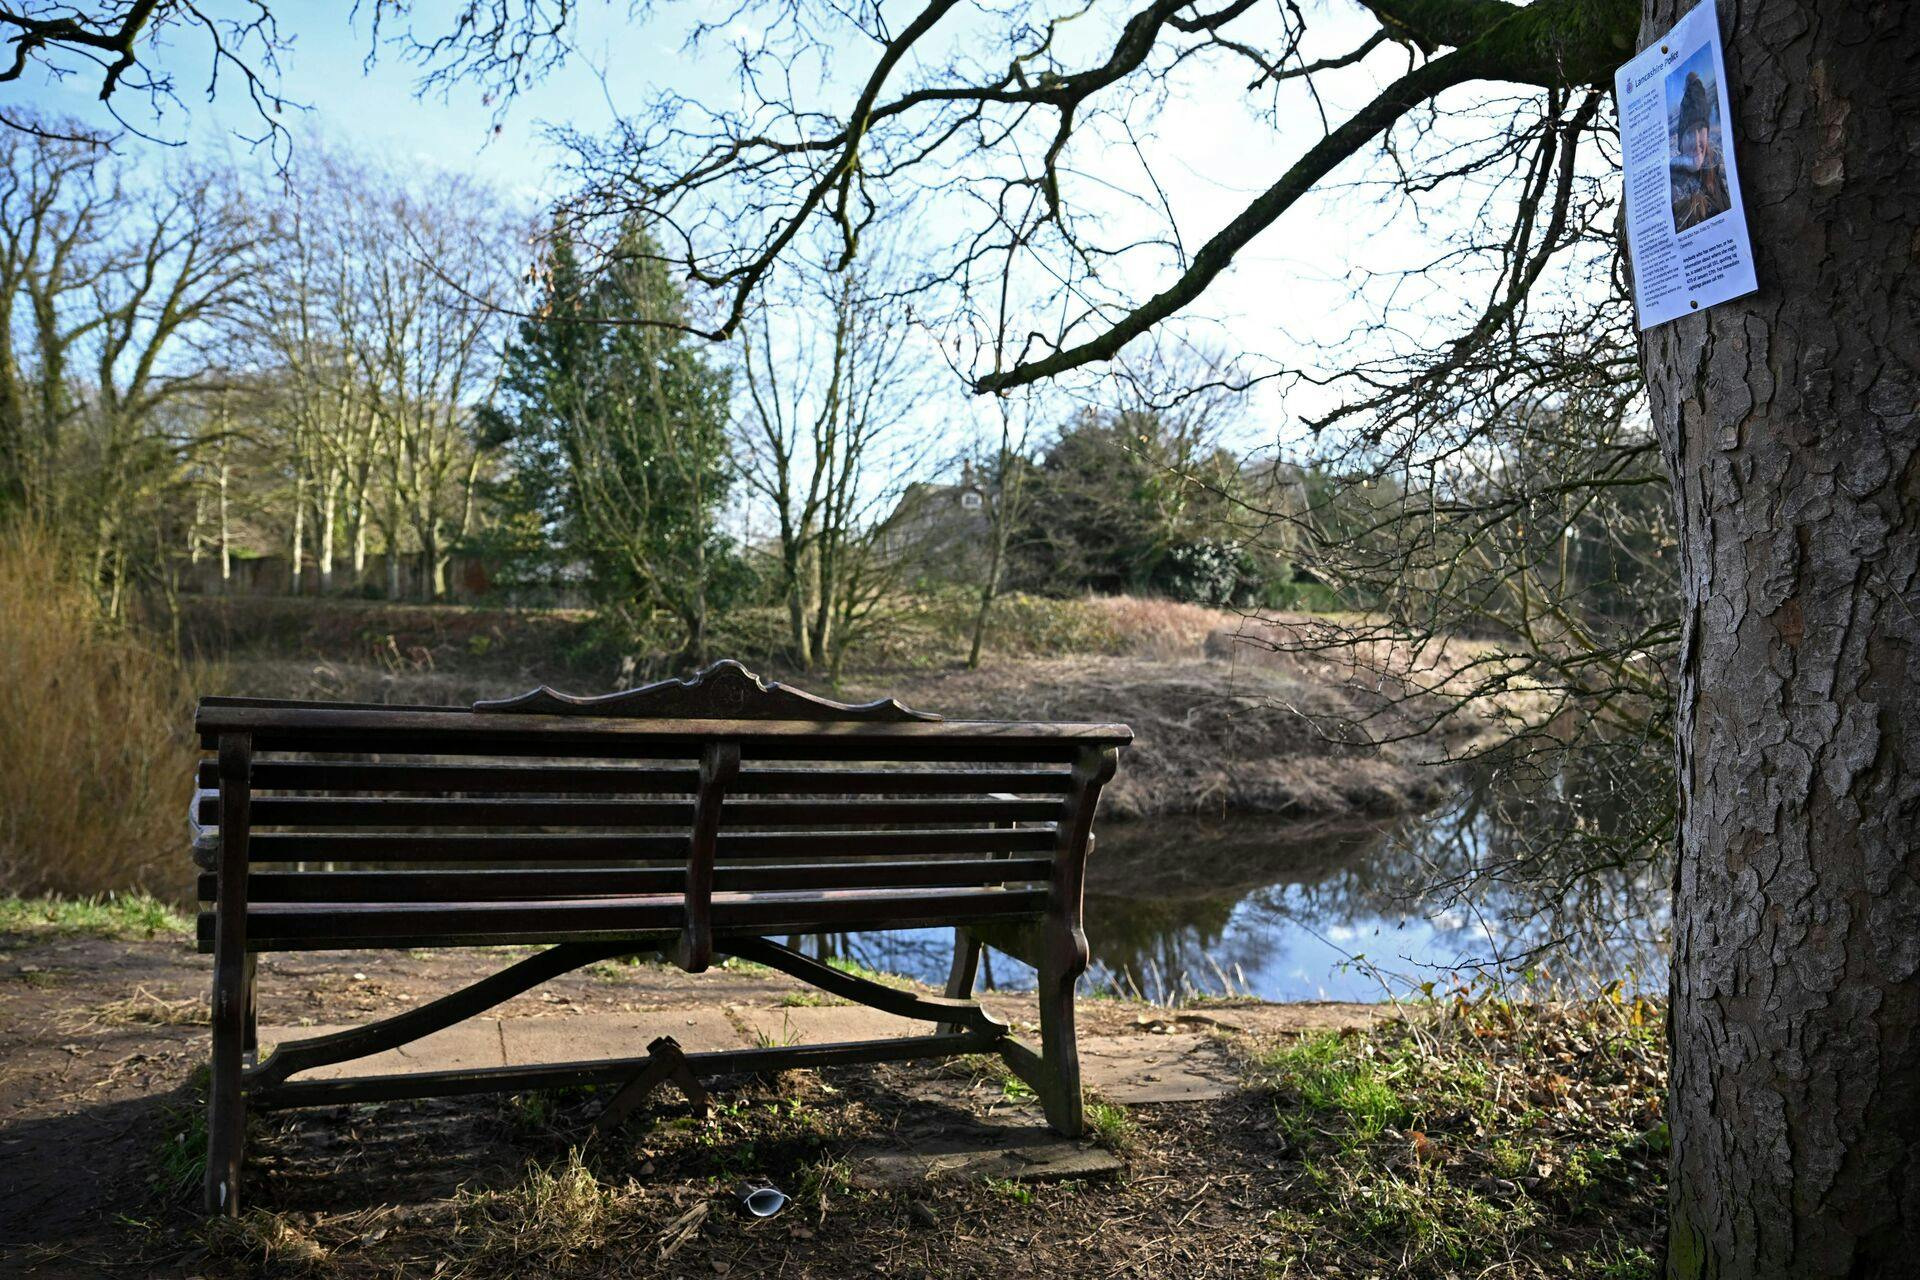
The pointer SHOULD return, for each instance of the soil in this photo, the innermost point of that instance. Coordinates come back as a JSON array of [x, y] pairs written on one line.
[[99, 1136]]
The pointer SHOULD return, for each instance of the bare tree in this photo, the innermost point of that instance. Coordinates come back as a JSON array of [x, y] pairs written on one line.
[[431, 272], [832, 384], [300, 316], [126, 289], [1003, 466]]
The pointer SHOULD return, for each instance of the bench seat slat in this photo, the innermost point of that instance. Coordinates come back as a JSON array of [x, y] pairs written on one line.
[[387, 811], [587, 779], [639, 847], [321, 924], [468, 886]]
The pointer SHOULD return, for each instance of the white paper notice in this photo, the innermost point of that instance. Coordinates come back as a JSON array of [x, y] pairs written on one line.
[[1686, 225]]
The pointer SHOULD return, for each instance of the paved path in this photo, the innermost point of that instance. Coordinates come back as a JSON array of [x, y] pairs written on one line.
[[1177, 1066]]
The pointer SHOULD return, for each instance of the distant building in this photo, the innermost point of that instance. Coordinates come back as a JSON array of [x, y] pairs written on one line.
[[940, 531]]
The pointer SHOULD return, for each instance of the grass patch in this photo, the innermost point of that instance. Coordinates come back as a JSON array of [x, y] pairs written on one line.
[[1109, 1125], [180, 1159], [624, 968], [1007, 1188], [118, 916], [992, 1071], [1341, 1076], [854, 968], [1461, 1138], [785, 1036], [809, 1000]]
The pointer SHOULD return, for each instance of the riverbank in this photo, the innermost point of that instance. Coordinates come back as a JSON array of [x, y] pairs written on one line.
[[1473, 1137], [1221, 727]]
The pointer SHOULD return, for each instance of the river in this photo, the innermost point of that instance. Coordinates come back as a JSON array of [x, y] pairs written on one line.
[[1178, 908]]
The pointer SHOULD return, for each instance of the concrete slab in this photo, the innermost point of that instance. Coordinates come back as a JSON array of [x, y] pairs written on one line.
[[614, 1035], [1179, 1067], [474, 1043], [1128, 1069], [824, 1024]]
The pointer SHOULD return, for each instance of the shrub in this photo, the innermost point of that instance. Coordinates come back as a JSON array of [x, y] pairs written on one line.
[[96, 759], [1206, 572]]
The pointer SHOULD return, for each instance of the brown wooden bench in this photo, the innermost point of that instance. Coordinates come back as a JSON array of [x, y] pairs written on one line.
[[755, 810]]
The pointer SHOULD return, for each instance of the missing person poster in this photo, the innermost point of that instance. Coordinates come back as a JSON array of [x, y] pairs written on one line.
[[1686, 226]]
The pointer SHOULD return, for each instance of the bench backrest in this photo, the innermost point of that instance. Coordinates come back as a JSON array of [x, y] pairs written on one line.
[[721, 783]]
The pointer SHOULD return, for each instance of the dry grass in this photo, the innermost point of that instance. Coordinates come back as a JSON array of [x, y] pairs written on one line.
[[141, 1009], [267, 1242], [1484, 679], [1207, 740], [1148, 627], [93, 735], [555, 1217]]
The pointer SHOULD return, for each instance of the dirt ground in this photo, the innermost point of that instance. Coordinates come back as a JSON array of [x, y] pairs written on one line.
[[1298, 1170]]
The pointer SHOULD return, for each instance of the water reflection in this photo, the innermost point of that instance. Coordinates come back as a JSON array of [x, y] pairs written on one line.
[[1301, 912]]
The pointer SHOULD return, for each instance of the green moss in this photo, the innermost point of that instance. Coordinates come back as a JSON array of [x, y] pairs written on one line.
[[808, 1000]]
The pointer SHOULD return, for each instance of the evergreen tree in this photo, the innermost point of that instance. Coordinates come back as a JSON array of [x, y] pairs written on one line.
[[548, 367], [614, 423]]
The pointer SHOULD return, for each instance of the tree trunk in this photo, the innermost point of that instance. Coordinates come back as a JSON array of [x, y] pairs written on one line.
[[989, 588], [793, 562], [329, 512], [226, 526], [827, 563], [432, 583], [1788, 421], [357, 531], [299, 530], [195, 538]]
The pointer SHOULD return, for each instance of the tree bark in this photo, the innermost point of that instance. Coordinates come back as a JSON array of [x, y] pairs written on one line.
[[1788, 419]]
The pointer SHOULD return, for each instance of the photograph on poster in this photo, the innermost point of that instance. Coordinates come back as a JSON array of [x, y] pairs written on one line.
[[1696, 166]]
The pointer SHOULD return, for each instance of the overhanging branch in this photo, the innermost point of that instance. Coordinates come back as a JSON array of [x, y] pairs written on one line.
[[1409, 91]]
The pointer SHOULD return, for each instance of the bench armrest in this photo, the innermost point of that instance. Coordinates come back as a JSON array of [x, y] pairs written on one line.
[[1092, 770]]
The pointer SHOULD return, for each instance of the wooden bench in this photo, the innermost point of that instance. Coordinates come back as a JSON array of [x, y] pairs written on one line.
[[755, 810]]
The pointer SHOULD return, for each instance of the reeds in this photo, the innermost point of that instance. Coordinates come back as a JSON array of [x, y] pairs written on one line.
[[96, 757]]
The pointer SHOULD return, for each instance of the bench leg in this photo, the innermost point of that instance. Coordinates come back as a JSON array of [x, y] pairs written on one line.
[[665, 1062], [1063, 958], [966, 962], [226, 1105], [250, 1033]]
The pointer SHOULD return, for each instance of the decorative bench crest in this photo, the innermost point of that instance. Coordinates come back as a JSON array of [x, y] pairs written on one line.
[[724, 691]]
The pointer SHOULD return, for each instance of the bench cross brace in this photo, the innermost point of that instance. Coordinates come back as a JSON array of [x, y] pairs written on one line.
[[436, 1015], [665, 1062]]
